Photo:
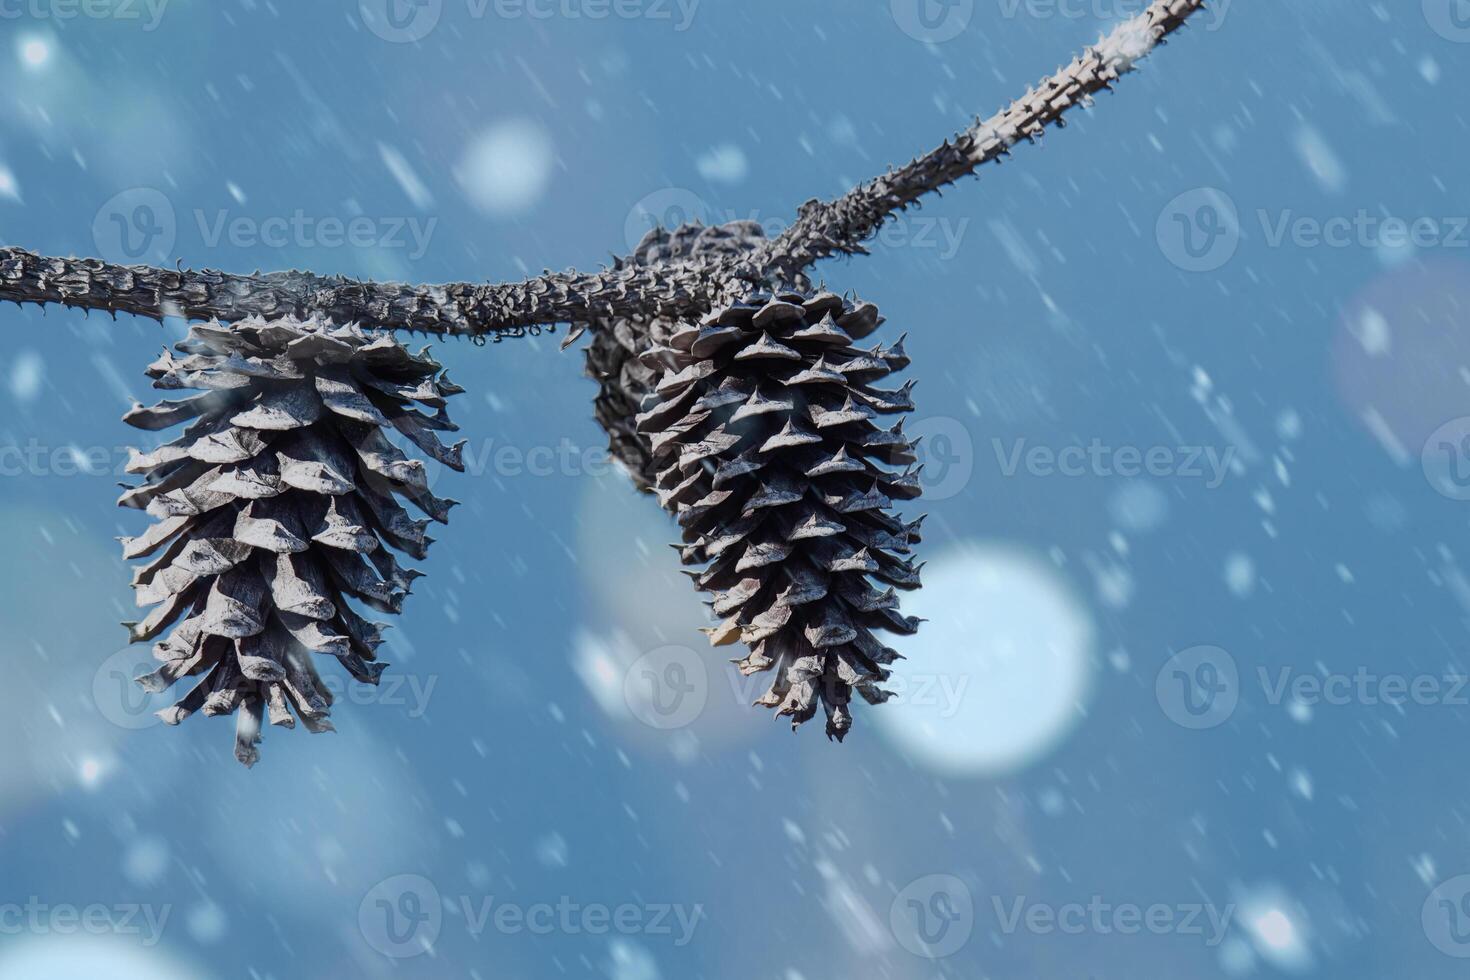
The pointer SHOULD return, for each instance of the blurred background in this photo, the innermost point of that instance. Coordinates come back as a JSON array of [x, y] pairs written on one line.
[[1194, 381]]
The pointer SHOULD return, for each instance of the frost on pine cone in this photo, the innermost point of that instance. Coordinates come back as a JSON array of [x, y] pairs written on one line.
[[275, 507], [763, 429], [613, 356]]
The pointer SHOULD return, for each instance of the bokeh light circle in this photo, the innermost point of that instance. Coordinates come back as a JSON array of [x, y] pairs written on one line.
[[1006, 658]]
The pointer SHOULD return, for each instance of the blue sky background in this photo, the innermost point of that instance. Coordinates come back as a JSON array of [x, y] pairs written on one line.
[[1118, 702]]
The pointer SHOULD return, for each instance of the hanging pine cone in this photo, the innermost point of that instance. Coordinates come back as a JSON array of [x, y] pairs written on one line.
[[763, 431], [275, 507], [613, 356]]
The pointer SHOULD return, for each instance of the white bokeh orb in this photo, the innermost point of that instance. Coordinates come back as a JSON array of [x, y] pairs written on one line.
[[35, 52], [1001, 672], [83, 957], [507, 168], [1277, 928]]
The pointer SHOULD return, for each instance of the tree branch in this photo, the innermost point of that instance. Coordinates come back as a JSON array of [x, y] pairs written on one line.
[[456, 309], [842, 225], [629, 289]]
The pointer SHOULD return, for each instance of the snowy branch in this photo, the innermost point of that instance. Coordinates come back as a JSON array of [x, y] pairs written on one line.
[[457, 309], [629, 289], [841, 226]]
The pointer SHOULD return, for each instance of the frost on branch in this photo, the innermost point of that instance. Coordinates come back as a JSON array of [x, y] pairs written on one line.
[[277, 509], [1129, 41]]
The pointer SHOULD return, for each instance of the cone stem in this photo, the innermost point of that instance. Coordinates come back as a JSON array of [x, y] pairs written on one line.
[[630, 290]]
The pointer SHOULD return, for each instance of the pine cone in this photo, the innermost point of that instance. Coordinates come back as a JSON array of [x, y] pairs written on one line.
[[612, 357], [274, 507], [762, 427]]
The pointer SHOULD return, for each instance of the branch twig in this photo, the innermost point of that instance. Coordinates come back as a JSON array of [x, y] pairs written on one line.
[[456, 309], [842, 225]]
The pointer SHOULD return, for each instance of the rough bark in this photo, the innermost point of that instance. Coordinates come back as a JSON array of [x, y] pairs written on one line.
[[455, 309]]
